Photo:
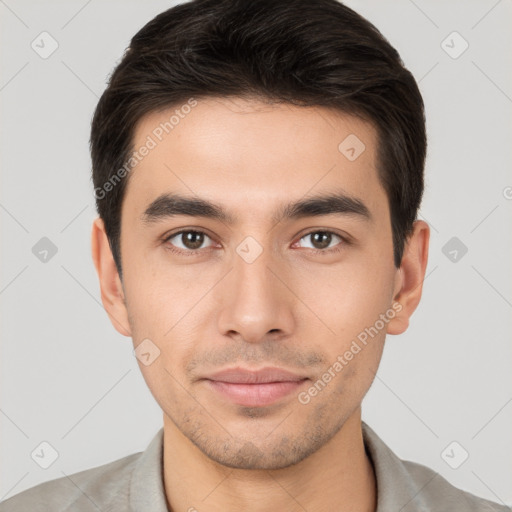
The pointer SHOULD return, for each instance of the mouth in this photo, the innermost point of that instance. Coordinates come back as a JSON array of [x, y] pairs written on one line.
[[254, 388]]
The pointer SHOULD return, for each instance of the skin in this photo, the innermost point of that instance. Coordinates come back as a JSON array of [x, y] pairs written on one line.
[[291, 307]]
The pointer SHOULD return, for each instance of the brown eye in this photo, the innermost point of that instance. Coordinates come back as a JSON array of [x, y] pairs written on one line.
[[192, 239], [187, 240], [321, 240]]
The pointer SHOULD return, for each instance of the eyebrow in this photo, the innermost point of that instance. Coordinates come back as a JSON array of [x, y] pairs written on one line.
[[169, 205]]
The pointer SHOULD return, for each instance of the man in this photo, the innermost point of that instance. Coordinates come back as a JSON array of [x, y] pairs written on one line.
[[258, 168]]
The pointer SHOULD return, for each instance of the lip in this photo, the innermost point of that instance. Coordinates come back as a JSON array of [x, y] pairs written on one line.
[[262, 376], [254, 388]]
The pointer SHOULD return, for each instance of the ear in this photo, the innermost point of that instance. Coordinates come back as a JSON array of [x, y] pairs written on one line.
[[112, 293], [409, 277]]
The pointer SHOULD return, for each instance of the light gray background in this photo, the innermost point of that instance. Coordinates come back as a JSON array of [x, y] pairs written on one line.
[[70, 379]]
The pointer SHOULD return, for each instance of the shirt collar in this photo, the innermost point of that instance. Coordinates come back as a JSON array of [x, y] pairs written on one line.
[[394, 484], [147, 481], [395, 488]]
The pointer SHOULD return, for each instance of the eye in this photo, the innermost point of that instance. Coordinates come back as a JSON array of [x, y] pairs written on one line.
[[321, 241], [191, 242], [187, 241]]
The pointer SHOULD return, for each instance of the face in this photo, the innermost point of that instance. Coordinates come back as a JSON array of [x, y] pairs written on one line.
[[255, 283]]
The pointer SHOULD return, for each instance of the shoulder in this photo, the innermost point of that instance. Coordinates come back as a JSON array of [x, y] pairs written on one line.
[[437, 492], [104, 487], [411, 487]]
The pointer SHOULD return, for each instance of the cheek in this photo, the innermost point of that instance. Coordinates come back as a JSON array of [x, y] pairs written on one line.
[[157, 297], [349, 300], [170, 315], [346, 297]]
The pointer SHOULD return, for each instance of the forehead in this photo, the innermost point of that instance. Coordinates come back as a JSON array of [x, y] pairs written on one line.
[[250, 155]]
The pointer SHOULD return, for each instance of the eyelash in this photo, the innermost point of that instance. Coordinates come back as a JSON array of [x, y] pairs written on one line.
[[338, 248]]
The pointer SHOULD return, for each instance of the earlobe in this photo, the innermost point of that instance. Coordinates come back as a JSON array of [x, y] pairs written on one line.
[[112, 293], [410, 276]]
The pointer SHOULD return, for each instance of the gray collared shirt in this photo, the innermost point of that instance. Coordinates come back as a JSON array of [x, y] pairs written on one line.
[[135, 483]]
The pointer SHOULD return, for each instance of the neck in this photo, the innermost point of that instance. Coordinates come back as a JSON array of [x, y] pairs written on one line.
[[339, 476]]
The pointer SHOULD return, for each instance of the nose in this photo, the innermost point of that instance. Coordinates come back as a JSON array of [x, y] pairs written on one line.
[[256, 301]]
